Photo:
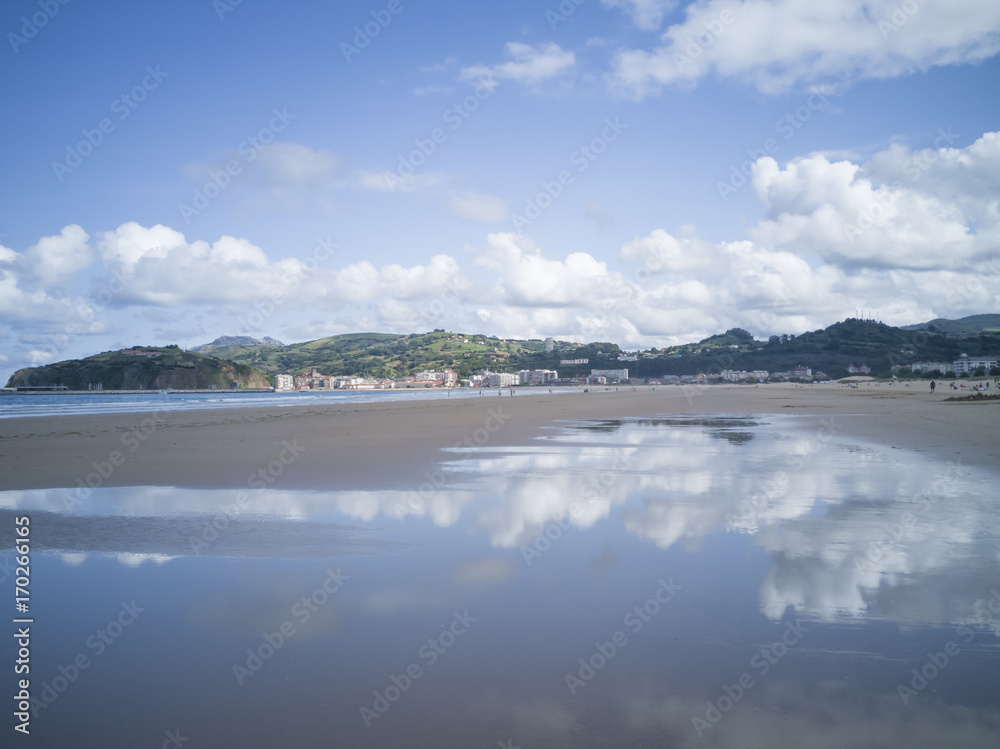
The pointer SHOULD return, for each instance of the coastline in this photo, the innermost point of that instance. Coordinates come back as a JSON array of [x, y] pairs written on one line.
[[394, 444]]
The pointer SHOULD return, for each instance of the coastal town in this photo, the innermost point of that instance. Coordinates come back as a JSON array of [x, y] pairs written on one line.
[[964, 366]]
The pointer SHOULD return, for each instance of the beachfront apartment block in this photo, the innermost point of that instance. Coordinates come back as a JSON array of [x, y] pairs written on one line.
[[931, 366], [504, 379], [284, 382], [537, 376], [966, 365], [611, 374], [732, 375]]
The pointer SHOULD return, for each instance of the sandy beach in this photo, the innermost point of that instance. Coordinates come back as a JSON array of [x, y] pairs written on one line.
[[392, 444]]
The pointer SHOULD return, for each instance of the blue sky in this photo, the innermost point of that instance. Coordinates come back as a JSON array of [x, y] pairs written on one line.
[[642, 171]]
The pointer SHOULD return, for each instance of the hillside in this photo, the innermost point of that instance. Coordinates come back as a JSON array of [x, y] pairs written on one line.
[[163, 367], [234, 340], [391, 355], [830, 351], [963, 326]]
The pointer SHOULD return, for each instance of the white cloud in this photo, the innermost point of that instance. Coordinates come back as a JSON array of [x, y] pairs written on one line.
[[928, 209], [161, 268], [529, 65], [780, 44], [53, 260], [645, 14], [389, 181], [910, 233], [475, 207]]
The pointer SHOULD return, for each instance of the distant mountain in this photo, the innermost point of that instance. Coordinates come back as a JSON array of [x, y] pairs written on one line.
[[142, 368], [963, 326], [237, 340]]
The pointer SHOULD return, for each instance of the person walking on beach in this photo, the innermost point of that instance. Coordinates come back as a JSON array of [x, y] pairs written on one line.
[[932, 387]]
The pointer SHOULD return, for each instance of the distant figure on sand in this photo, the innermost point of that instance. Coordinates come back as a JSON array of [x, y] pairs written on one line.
[[932, 387]]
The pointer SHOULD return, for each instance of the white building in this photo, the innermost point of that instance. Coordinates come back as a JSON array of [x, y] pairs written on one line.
[[537, 376], [504, 379], [284, 382], [931, 366], [966, 365], [611, 374]]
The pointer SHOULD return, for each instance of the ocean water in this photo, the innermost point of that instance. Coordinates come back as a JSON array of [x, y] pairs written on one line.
[[37, 404], [715, 581]]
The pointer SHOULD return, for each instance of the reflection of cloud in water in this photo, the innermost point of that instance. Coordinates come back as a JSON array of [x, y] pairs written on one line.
[[823, 511], [136, 539]]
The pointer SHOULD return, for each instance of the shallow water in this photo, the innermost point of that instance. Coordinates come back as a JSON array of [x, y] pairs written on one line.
[[98, 402], [707, 581]]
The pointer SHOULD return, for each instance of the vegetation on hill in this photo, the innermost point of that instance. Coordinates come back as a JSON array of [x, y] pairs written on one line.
[[254, 363], [390, 355], [830, 351], [171, 367], [963, 326]]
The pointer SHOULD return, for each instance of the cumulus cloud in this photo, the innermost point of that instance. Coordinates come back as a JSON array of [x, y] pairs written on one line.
[[911, 233], [775, 45], [528, 65], [162, 268]]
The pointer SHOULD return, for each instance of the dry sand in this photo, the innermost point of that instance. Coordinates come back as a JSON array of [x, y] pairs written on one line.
[[383, 445]]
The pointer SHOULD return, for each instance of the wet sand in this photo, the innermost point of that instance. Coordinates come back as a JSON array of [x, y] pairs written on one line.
[[393, 445]]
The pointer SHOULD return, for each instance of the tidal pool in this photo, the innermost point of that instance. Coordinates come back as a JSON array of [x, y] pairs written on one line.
[[713, 581]]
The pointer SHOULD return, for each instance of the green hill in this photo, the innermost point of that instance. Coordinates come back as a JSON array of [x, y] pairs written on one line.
[[963, 326], [154, 368], [830, 350], [391, 355]]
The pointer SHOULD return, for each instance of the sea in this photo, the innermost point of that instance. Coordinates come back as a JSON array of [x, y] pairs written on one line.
[[98, 402], [670, 581]]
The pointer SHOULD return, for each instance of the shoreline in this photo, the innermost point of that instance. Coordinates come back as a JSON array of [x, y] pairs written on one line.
[[393, 444]]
